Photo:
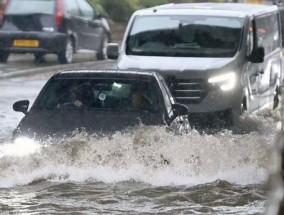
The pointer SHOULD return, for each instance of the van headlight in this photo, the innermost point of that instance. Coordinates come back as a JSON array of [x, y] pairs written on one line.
[[226, 81]]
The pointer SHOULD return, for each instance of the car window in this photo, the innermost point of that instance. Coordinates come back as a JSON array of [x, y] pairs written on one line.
[[185, 36], [86, 9], [101, 94], [72, 7], [30, 6], [268, 33]]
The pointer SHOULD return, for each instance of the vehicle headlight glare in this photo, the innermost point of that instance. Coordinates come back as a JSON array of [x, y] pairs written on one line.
[[226, 81], [22, 146]]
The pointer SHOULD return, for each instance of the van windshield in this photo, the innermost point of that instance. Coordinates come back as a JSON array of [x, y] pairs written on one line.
[[185, 36]]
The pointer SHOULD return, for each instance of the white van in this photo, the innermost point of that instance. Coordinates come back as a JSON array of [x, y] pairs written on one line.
[[216, 57]]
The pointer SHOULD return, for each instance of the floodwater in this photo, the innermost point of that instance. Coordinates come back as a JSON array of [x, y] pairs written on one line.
[[148, 171]]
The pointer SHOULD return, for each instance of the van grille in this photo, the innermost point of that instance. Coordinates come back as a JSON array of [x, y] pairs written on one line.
[[190, 91]]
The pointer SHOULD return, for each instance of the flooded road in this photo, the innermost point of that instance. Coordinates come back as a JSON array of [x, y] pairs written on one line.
[[148, 171]]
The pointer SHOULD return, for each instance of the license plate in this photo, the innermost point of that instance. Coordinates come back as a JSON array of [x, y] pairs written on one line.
[[26, 43]]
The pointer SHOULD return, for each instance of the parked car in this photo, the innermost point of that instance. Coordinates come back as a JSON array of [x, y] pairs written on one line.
[[219, 59], [100, 101], [60, 27]]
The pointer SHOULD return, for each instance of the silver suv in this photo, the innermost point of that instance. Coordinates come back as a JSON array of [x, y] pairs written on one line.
[[216, 57]]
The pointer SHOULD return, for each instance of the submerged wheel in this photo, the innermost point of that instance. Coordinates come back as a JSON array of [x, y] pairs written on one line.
[[102, 54], [233, 115], [66, 56], [4, 57]]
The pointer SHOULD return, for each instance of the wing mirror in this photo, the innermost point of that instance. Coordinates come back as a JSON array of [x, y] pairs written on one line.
[[21, 106], [179, 109], [257, 55], [112, 51]]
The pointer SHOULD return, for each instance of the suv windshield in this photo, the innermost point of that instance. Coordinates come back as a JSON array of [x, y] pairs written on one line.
[[184, 36], [30, 7]]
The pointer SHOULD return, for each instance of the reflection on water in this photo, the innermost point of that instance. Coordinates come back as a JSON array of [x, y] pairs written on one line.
[[147, 171]]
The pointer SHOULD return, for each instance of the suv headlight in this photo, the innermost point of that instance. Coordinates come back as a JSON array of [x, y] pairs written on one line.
[[226, 81]]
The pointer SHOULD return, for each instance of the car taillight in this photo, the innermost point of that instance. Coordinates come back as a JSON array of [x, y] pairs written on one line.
[[59, 12], [2, 11]]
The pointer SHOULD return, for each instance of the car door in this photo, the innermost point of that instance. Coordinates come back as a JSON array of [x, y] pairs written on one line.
[[92, 29], [252, 71], [268, 36], [74, 22]]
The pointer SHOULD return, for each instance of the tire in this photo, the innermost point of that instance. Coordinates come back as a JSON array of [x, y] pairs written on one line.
[[233, 115], [4, 57], [39, 58], [66, 56], [102, 54]]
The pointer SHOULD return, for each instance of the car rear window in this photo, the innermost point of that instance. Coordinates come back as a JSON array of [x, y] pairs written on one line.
[[30, 7]]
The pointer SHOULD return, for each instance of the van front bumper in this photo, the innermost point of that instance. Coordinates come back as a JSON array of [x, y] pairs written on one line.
[[215, 100]]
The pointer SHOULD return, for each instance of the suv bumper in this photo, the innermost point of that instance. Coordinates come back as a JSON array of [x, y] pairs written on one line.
[[217, 100]]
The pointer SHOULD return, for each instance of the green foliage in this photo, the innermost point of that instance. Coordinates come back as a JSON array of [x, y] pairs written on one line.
[[120, 10], [151, 3], [97, 5]]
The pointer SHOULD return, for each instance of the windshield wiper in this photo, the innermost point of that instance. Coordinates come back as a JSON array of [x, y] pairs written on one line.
[[186, 46]]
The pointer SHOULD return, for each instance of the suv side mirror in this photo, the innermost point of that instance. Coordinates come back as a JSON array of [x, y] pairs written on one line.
[[21, 106], [112, 51], [257, 55], [179, 109]]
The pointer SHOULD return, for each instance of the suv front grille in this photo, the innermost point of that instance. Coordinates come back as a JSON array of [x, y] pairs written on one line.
[[190, 91]]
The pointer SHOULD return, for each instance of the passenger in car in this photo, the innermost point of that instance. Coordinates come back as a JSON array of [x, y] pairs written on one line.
[[140, 99]]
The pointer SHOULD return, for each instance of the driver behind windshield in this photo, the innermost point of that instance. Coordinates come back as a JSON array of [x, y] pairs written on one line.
[[140, 98]]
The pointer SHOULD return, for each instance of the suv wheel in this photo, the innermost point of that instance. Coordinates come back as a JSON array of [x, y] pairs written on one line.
[[66, 56], [102, 54], [4, 57]]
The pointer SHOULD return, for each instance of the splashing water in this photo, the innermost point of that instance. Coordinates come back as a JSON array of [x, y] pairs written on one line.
[[148, 154]]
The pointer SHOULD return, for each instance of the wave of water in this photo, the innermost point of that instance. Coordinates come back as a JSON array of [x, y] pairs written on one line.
[[150, 155]]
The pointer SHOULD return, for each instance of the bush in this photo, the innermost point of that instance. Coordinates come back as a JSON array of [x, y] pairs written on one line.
[[120, 11], [151, 3]]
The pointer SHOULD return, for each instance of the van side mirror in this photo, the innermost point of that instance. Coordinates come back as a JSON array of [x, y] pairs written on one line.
[[112, 51], [21, 106], [257, 55]]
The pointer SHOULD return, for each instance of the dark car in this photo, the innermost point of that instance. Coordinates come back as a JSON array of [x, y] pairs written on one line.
[[60, 27], [281, 12], [100, 102]]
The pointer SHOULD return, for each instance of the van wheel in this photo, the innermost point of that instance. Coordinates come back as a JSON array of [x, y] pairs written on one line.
[[276, 98], [102, 54], [4, 57], [66, 56], [233, 115]]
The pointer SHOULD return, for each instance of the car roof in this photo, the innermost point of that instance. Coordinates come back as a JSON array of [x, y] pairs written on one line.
[[108, 74], [217, 9]]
